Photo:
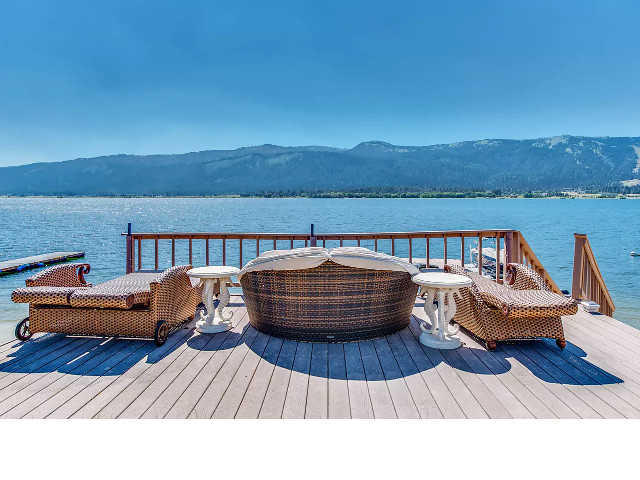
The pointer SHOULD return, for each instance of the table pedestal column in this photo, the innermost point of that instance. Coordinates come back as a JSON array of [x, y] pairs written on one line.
[[214, 321], [440, 334]]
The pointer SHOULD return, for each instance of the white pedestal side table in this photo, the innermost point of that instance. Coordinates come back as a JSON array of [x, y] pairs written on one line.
[[441, 334], [214, 320]]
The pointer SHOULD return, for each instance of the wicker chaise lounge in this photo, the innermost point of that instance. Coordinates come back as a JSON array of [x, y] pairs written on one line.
[[319, 295], [137, 305], [524, 308]]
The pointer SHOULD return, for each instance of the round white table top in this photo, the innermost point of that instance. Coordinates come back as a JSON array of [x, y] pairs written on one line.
[[216, 271], [441, 280]]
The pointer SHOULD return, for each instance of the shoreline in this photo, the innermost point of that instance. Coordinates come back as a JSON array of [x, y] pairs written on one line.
[[578, 196]]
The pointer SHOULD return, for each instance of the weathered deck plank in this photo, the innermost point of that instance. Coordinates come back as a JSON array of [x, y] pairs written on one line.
[[203, 378], [359, 400], [401, 397], [338, 388], [41, 391], [274, 398], [246, 374], [318, 389], [295, 401], [257, 390]]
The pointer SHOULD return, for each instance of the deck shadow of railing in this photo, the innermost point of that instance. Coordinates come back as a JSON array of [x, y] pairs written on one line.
[[396, 356]]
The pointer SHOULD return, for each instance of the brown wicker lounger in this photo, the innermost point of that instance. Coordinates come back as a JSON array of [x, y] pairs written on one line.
[[525, 308], [329, 303], [138, 305]]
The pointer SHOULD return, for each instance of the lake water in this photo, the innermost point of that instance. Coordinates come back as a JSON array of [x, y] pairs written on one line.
[[32, 226]]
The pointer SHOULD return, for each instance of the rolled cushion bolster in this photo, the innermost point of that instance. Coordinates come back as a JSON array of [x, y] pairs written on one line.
[[97, 299], [43, 295]]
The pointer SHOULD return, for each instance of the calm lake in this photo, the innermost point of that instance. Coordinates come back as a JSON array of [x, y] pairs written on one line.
[[32, 226]]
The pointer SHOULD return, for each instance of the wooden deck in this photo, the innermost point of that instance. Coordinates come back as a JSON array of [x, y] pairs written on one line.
[[246, 374], [26, 263]]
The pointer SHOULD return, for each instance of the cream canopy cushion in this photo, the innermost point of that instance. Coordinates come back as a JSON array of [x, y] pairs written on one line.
[[311, 257]]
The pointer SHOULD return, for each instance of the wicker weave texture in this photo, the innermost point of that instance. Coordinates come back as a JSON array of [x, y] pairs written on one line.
[[172, 299], [43, 295], [497, 312], [67, 275], [124, 292], [329, 303]]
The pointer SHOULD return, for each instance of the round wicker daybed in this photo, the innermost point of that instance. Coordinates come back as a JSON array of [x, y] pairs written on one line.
[[317, 295]]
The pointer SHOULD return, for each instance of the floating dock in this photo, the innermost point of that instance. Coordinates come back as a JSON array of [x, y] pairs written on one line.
[[20, 264]]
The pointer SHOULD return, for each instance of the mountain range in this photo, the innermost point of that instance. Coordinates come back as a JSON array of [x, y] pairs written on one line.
[[547, 164]]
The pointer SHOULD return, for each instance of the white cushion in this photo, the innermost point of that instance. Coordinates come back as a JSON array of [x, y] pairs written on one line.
[[302, 258]]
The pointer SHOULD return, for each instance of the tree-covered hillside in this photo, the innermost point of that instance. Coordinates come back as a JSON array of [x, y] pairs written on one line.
[[509, 165]]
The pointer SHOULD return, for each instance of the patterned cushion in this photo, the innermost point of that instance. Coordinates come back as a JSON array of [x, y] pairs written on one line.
[[43, 295], [519, 303], [123, 293]]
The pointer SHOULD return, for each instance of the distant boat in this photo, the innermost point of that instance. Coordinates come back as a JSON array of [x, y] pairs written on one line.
[[488, 256], [635, 254]]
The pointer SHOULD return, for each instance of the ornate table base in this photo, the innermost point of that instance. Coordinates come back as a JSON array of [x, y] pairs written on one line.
[[441, 334], [213, 321]]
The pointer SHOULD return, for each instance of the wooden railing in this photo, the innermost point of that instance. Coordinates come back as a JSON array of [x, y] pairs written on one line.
[[523, 253], [588, 283], [438, 247]]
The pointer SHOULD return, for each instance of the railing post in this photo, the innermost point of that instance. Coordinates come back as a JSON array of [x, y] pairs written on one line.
[[508, 248], [578, 263], [312, 238], [129, 240]]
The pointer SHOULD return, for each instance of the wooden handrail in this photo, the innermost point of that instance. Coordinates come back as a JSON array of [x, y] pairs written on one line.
[[523, 253], [588, 283], [516, 248]]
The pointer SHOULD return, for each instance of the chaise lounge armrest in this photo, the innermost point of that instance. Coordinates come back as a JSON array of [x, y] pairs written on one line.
[[67, 275], [172, 292]]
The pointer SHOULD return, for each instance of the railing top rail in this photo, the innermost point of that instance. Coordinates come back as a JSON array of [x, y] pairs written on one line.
[[484, 232]]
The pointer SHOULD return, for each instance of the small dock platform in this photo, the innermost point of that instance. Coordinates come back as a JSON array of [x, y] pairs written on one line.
[[243, 373], [20, 264]]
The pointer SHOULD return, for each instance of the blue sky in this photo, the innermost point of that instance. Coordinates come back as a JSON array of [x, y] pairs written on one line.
[[81, 79]]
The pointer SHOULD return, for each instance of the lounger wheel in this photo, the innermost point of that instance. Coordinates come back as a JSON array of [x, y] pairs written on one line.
[[561, 343], [22, 330], [491, 345], [162, 333]]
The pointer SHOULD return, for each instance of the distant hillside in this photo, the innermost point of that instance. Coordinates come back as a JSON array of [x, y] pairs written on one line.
[[510, 165]]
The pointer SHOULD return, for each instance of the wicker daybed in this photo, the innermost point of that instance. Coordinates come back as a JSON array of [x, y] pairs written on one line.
[[319, 295], [137, 305], [524, 308]]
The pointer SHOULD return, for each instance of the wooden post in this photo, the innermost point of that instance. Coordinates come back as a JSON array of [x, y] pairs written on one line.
[[462, 251], [129, 245], [139, 254], [224, 251], [444, 237], [578, 265], [173, 252], [480, 255], [240, 254], [190, 251], [156, 242], [497, 257], [410, 251], [207, 249], [427, 252], [508, 248], [312, 237]]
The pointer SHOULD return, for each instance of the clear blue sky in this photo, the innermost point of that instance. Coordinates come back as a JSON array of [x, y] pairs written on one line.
[[81, 79]]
